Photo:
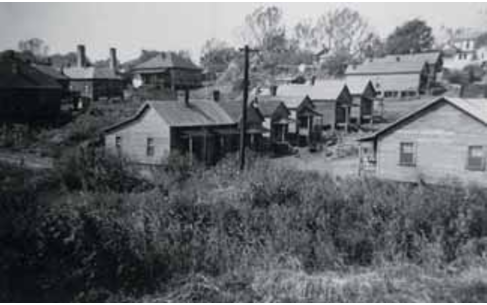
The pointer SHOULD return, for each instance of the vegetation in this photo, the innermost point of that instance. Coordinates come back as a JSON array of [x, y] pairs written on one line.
[[97, 231], [413, 36]]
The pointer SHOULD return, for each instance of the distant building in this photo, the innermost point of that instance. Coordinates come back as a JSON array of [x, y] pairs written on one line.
[[167, 70], [399, 76], [95, 83], [463, 50], [199, 128], [26, 94], [443, 140]]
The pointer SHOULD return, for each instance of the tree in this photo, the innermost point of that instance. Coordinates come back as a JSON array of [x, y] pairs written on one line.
[[304, 35], [413, 36], [216, 55], [264, 29], [35, 47], [344, 30]]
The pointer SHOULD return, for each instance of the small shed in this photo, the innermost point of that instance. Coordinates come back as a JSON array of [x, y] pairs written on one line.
[[276, 119]]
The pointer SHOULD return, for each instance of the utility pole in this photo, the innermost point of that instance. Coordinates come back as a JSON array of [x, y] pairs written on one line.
[[243, 123]]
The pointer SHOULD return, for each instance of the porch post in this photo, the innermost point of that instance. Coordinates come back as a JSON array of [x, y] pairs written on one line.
[[309, 129], [190, 149], [205, 148], [347, 118]]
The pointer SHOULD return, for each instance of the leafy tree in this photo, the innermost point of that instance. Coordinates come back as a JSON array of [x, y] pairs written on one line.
[[34, 46], [216, 55], [264, 29], [413, 36]]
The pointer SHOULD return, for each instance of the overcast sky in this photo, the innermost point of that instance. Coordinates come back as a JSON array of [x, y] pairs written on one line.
[[175, 26]]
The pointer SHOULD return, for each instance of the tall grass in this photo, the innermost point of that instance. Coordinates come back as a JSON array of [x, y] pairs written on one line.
[[233, 235]]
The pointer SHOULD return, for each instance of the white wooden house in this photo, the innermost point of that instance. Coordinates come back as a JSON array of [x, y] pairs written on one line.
[[443, 140]]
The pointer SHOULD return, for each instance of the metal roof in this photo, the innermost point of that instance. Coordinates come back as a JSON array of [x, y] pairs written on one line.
[[387, 66], [394, 82], [195, 113], [476, 108]]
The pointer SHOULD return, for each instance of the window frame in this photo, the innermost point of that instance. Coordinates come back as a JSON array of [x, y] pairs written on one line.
[[118, 144], [403, 162], [150, 148], [473, 167]]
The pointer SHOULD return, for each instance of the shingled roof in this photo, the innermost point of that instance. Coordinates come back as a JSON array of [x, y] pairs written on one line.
[[15, 74], [166, 60], [386, 66], [50, 71]]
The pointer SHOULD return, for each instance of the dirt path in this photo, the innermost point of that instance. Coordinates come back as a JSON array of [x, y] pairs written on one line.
[[27, 160], [347, 166]]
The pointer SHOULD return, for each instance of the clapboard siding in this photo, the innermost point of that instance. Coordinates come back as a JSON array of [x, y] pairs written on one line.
[[134, 138], [441, 135]]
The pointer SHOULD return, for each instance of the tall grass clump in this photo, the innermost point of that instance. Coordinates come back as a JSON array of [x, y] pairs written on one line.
[[94, 230]]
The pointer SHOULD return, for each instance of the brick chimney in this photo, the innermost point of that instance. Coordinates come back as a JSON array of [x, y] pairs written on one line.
[[81, 56], [113, 59]]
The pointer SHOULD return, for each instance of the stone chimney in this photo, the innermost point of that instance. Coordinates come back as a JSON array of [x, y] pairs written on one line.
[[113, 59], [81, 56], [216, 95]]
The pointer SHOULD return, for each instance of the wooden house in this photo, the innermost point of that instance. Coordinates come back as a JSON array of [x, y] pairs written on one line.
[[398, 77], [94, 82], [167, 70], [441, 141], [364, 95], [254, 127], [276, 121], [333, 100], [26, 94], [195, 127]]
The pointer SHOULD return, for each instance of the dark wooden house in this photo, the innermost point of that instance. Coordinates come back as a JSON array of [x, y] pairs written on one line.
[[26, 94], [167, 70], [94, 82], [276, 121]]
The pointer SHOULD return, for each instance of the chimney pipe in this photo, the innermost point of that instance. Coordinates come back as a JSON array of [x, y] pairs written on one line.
[[216, 95], [186, 97], [113, 59], [313, 80], [81, 58], [273, 90]]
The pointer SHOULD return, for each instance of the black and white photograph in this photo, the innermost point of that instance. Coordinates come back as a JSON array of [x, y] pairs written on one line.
[[243, 152]]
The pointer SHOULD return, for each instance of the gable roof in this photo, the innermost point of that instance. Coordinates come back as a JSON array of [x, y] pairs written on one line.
[[268, 107], [50, 71], [234, 110], [428, 57], [386, 66], [15, 74], [199, 113], [475, 108], [91, 73], [166, 60], [327, 89]]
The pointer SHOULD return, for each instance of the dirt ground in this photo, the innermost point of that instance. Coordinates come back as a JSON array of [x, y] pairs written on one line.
[[319, 162]]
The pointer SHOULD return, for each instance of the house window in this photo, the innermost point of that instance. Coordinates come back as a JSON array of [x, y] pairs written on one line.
[[476, 158], [150, 147], [303, 122], [407, 154], [118, 144]]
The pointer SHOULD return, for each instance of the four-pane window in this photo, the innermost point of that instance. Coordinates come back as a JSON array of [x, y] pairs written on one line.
[[407, 154], [150, 147], [476, 158]]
